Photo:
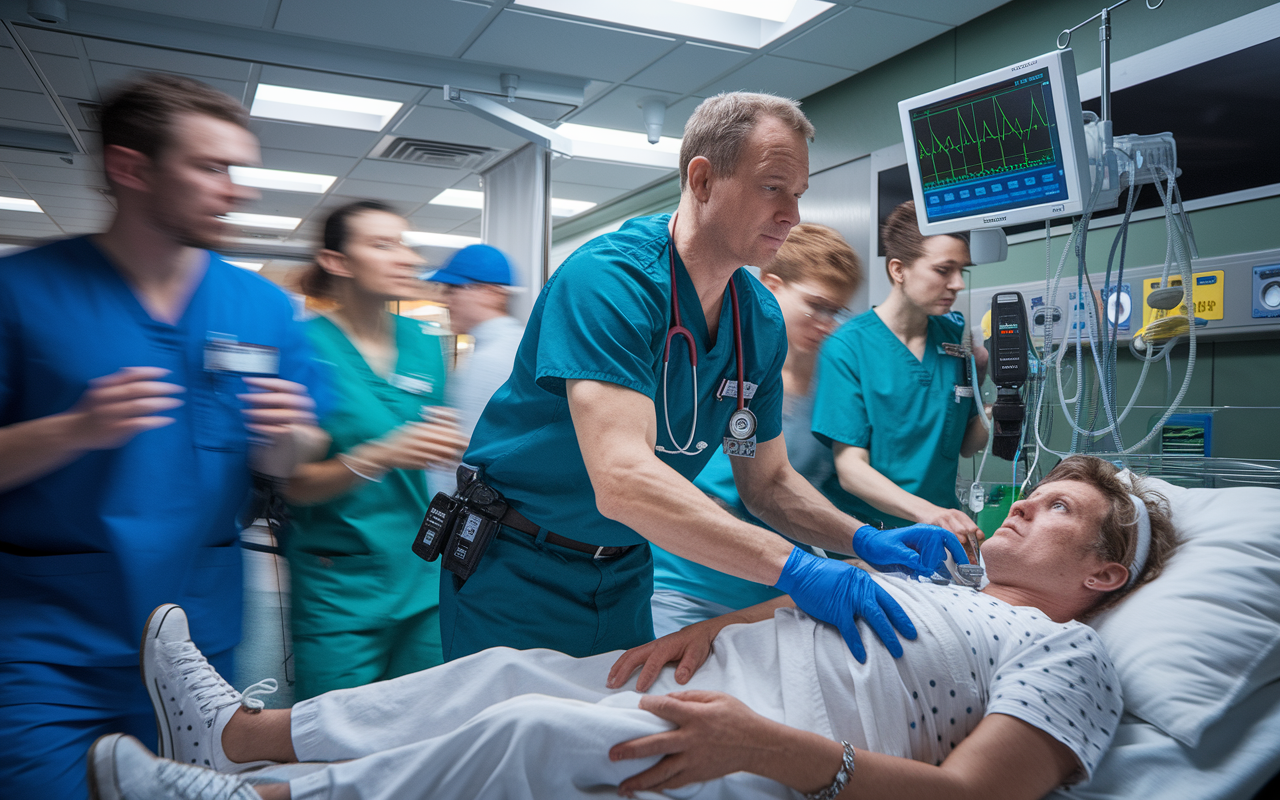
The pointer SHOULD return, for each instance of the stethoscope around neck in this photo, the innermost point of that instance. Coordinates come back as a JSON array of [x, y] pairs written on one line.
[[742, 424]]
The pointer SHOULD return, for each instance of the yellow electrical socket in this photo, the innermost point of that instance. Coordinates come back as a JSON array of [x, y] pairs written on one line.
[[1206, 294]]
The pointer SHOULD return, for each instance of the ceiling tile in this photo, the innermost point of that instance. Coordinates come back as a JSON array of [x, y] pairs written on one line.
[[534, 109], [581, 191], [64, 175], [597, 173], [78, 117], [338, 84], [436, 27], [521, 39], [451, 215], [472, 228], [859, 38], [232, 12], [42, 40], [413, 174], [67, 76], [40, 189], [27, 107], [109, 76], [391, 192], [297, 161], [455, 125], [780, 76], [80, 203], [284, 204], [197, 66], [620, 110], [949, 12], [314, 138], [9, 186], [14, 73], [471, 182], [688, 65]]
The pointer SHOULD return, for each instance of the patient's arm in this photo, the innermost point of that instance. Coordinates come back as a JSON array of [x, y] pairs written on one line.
[[688, 646], [1003, 759]]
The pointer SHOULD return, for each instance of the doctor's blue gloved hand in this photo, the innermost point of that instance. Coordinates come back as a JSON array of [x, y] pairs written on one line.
[[838, 593], [921, 549]]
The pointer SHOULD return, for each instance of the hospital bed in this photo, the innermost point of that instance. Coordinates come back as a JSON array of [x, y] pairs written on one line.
[[1198, 649]]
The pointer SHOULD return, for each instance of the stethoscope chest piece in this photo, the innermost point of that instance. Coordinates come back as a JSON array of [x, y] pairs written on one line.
[[742, 425]]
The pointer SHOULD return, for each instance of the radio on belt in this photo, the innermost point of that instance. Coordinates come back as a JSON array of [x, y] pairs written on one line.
[[460, 527]]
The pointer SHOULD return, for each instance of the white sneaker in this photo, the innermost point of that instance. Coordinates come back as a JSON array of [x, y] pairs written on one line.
[[120, 768], [192, 702]]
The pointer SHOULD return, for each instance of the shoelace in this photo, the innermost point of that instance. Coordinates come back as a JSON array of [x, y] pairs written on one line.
[[208, 687], [195, 783]]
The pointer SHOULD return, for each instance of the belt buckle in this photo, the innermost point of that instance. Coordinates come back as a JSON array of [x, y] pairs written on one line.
[[597, 556]]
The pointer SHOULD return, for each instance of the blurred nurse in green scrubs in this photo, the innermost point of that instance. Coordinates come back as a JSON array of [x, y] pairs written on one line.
[[363, 608]]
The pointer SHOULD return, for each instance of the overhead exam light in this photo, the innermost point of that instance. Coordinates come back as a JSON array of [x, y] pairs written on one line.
[[19, 204], [322, 108], [282, 180], [50, 12]]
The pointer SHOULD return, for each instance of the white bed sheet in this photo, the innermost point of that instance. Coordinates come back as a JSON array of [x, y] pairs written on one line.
[[1237, 756]]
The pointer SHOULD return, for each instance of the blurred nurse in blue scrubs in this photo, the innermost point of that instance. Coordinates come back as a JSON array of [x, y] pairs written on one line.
[[813, 275], [891, 403]]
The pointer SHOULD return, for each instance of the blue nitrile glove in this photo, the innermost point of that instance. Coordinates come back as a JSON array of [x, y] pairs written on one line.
[[920, 548], [838, 593]]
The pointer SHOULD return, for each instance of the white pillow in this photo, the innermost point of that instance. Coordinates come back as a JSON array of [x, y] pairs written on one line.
[[1206, 633]]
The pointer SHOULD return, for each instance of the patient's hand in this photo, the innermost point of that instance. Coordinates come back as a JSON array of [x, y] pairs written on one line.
[[716, 735], [689, 646]]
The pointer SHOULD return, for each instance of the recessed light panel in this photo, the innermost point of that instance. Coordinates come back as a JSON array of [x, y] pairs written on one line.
[[772, 10], [282, 180], [424, 239], [252, 266], [262, 221], [458, 198], [322, 108], [20, 204]]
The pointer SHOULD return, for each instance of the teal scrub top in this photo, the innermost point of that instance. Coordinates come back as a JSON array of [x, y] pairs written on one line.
[[603, 316], [872, 392], [349, 557]]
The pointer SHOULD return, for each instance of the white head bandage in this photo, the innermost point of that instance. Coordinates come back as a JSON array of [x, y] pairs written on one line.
[[1144, 540]]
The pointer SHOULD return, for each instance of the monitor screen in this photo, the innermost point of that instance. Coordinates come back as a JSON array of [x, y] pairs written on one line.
[[1003, 148]]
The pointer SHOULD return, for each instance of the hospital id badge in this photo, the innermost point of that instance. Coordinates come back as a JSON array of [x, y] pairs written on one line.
[[742, 448], [229, 355]]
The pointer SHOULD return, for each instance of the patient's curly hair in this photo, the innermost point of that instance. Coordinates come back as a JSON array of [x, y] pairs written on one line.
[[1118, 538]]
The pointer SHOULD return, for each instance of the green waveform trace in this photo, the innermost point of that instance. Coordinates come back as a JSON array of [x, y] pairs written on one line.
[[972, 139]]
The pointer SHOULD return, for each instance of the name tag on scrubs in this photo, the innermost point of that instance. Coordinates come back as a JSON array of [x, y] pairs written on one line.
[[963, 392], [729, 388], [742, 448], [228, 355], [411, 384]]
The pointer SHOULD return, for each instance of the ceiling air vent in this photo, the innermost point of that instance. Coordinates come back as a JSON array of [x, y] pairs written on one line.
[[434, 154]]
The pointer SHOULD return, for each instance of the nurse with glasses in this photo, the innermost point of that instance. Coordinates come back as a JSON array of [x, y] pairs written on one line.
[[891, 403]]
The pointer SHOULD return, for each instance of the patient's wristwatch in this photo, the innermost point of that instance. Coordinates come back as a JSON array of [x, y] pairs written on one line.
[[842, 778]]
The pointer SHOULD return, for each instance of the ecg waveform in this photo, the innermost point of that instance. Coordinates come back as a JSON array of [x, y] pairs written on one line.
[[991, 136]]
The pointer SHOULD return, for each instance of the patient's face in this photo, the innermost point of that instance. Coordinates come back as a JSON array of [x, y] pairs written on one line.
[[1048, 538]]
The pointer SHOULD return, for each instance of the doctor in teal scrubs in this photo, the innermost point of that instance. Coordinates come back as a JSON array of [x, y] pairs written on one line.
[[363, 609], [596, 437], [892, 405]]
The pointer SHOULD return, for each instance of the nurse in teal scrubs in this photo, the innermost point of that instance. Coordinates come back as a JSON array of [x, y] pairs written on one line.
[[890, 402], [363, 608]]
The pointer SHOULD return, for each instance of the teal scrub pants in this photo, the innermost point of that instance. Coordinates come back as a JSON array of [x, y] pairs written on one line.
[[527, 593], [345, 659]]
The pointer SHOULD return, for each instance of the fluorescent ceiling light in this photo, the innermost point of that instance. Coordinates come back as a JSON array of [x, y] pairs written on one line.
[[252, 266], [20, 204], [772, 10], [616, 138], [322, 108], [424, 239], [281, 180], [458, 198], [750, 24], [568, 208], [469, 198], [262, 221]]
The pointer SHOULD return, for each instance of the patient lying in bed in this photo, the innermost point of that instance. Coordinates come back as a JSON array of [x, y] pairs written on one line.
[[1002, 694]]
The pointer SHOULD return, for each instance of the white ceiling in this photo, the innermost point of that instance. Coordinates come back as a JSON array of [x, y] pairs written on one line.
[[571, 70]]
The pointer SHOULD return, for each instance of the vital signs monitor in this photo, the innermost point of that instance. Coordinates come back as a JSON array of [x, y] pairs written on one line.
[[1001, 149]]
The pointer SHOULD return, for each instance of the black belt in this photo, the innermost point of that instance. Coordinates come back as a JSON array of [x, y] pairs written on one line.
[[517, 522]]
